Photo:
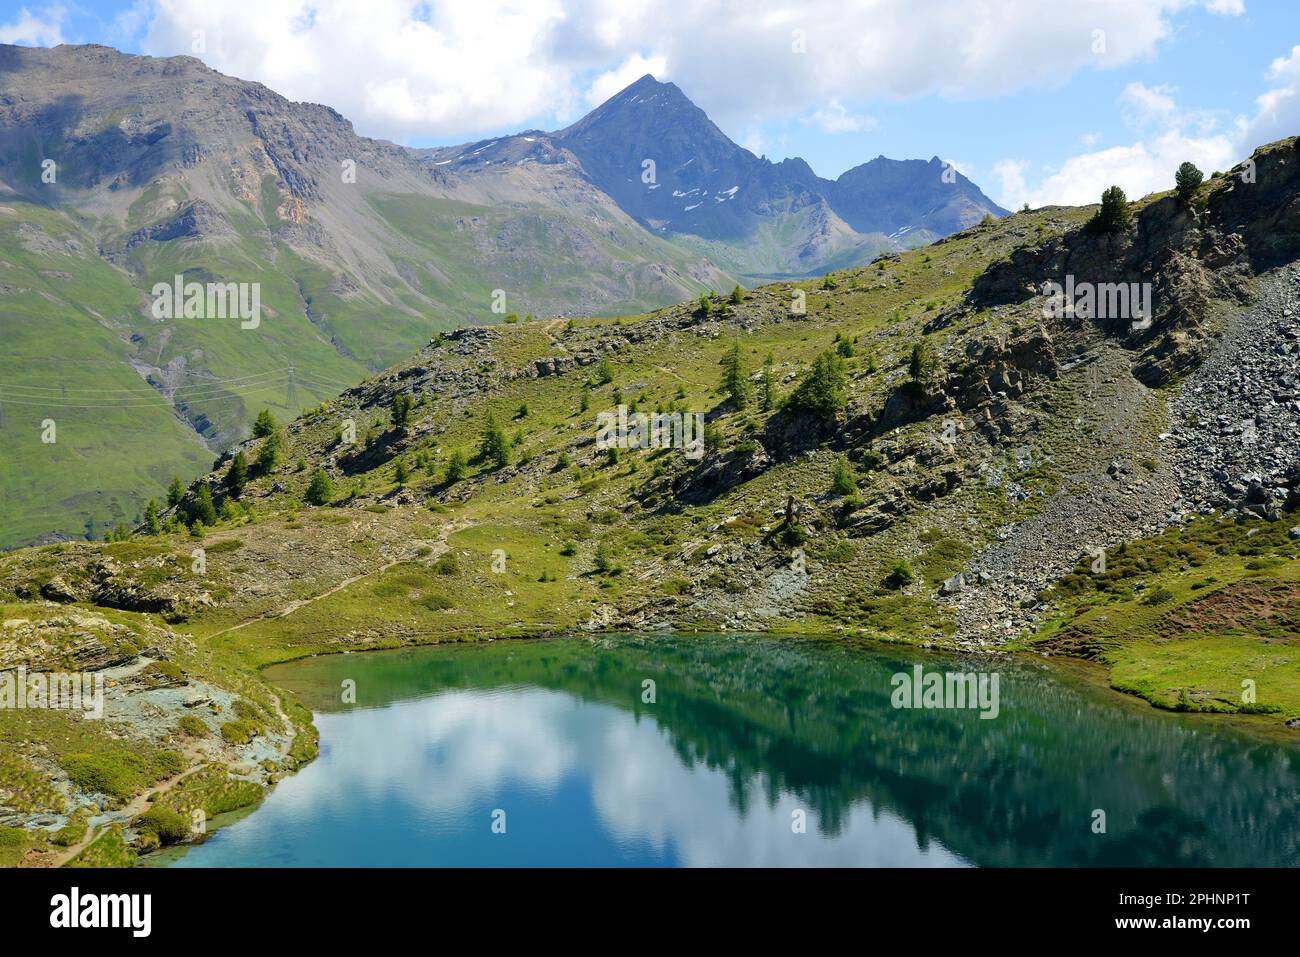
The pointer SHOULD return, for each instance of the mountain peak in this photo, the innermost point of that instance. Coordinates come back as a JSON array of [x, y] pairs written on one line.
[[647, 80]]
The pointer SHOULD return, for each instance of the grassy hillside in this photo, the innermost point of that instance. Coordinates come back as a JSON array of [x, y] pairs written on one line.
[[164, 167], [911, 451], [81, 342], [567, 536]]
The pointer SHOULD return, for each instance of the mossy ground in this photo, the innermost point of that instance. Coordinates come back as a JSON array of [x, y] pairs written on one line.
[[1186, 618]]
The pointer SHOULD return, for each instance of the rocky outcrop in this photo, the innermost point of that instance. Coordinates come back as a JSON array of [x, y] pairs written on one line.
[[1002, 367], [195, 220], [1189, 255]]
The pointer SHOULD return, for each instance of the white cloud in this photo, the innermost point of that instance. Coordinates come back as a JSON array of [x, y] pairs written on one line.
[[1012, 188], [1143, 167], [631, 70], [1278, 109], [834, 118], [1169, 135], [966, 169], [1144, 104], [35, 29], [474, 65], [470, 65]]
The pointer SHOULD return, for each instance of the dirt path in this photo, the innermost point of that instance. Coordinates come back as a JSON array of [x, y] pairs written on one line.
[[132, 809], [293, 606]]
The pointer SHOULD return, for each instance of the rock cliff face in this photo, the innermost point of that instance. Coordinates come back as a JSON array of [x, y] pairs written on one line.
[[1192, 257]]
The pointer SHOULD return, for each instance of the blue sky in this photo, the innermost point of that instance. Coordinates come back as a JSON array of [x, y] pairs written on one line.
[[1038, 101]]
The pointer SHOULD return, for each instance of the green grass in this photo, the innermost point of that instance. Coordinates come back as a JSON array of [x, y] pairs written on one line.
[[109, 849], [15, 842], [119, 773], [1185, 618]]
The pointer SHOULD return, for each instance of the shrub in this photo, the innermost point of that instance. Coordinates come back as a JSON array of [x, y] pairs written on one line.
[[71, 833], [793, 534], [843, 481], [1158, 596], [1113, 217], [119, 774], [238, 732], [192, 726], [900, 575], [167, 763], [270, 452], [321, 489], [919, 362], [401, 411], [167, 825], [456, 468], [493, 448], [264, 424], [203, 511], [237, 475], [152, 526], [735, 382]]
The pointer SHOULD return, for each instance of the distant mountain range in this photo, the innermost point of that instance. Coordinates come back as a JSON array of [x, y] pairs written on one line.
[[666, 164], [119, 172]]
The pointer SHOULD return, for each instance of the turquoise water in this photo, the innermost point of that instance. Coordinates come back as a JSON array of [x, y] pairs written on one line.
[[553, 753]]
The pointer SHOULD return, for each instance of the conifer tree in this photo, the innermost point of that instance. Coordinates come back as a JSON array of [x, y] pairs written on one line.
[[321, 489], [735, 383], [494, 449], [264, 424], [237, 475]]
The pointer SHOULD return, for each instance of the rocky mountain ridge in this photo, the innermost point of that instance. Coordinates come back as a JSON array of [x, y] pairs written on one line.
[[666, 164]]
